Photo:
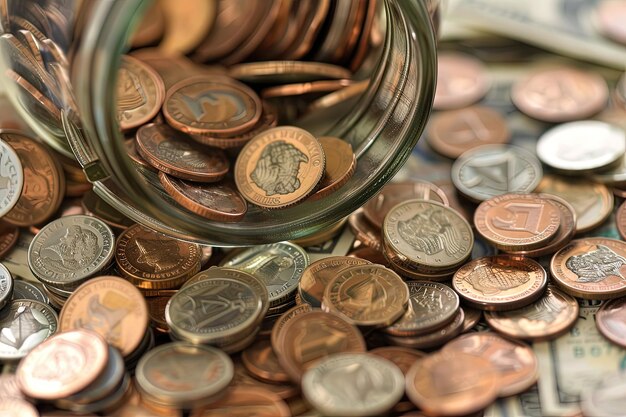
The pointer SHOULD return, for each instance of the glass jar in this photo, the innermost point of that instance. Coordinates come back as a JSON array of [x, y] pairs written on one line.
[[72, 106]]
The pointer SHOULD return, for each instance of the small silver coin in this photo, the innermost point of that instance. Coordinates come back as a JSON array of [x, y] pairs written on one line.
[[606, 398], [11, 176], [353, 384], [6, 286], [24, 325], [24, 290]]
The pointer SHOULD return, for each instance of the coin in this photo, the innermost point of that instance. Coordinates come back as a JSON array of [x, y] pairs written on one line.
[[369, 254], [335, 381], [403, 357], [156, 309], [367, 295], [620, 220], [471, 319], [261, 361], [560, 94], [140, 93], [26, 290], [97, 207], [461, 81], [220, 202], [183, 375], [515, 362], [364, 231], [9, 387], [6, 286], [110, 306], [610, 319], [24, 324], [15, 407], [517, 221], [79, 357], [285, 318], [301, 89], [433, 339], [13, 174], [70, 249], [243, 400], [547, 318], [603, 398], [8, 238], [608, 18], [456, 131], [500, 283], [340, 165], [452, 384], [175, 154], [279, 167], [276, 72], [491, 170], [151, 260]]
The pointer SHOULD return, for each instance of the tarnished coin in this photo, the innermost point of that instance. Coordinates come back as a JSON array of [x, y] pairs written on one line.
[[434, 338], [220, 202], [15, 407], [6, 286], [261, 361], [316, 277], [174, 153], [367, 295], [279, 167], [70, 249], [241, 401], [517, 221], [515, 362], [403, 357], [610, 320], [365, 232], [277, 72], [492, 170], [560, 94], [182, 375], [340, 165], [24, 324], [8, 238], [353, 384], [461, 81], [140, 93], [500, 283], [547, 318], [111, 307], [605, 398], [79, 357], [151, 260], [12, 175], [591, 268]]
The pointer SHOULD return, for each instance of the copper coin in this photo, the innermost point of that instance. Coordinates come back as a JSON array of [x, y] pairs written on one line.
[[286, 318], [140, 93], [323, 236], [133, 154], [216, 106], [63, 365], [261, 361], [500, 283], [220, 202], [243, 378], [340, 165], [592, 268], [452, 384], [392, 194], [369, 254], [547, 318], [156, 309], [95, 206], [279, 167], [174, 153], [517, 221], [313, 335], [609, 18], [110, 306], [8, 238], [44, 182], [610, 320], [560, 94], [276, 72], [471, 319], [15, 407], [69, 207], [461, 81], [9, 386], [515, 362], [313, 87], [364, 231], [243, 401], [620, 220], [403, 357], [453, 132], [433, 339]]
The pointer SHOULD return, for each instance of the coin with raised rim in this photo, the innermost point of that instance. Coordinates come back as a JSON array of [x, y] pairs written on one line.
[[261, 361], [603, 398], [11, 169], [403, 357], [340, 165], [286, 318], [24, 324], [610, 320], [6, 286], [461, 81], [434, 338], [242, 401]]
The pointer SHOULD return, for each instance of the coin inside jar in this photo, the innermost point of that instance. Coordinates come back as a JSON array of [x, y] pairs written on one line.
[[340, 165], [241, 400], [403, 357]]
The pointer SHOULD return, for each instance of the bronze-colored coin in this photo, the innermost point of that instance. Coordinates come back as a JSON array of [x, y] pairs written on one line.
[[500, 283], [364, 231], [369, 254], [156, 309], [547, 318], [15, 407], [110, 306], [286, 318], [8, 238], [277, 72], [310, 336], [433, 339], [472, 317], [620, 220], [261, 361], [408, 270], [174, 153], [367, 295], [515, 362], [591, 268], [279, 167], [151, 260], [187, 23], [44, 182], [301, 89], [517, 221], [150, 28], [37, 102], [461, 80], [140, 93], [340, 165], [243, 378], [220, 202], [133, 154], [316, 277], [403, 357], [453, 132], [323, 236], [610, 320], [242, 401], [216, 106], [9, 387]]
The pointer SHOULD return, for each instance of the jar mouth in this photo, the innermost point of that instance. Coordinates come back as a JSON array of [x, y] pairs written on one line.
[[383, 128]]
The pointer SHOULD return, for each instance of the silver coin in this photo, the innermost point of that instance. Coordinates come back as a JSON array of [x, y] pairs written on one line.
[[11, 176], [183, 375], [6, 286], [278, 265], [583, 146], [353, 384], [24, 290], [431, 306], [70, 249], [492, 170], [606, 398], [24, 325]]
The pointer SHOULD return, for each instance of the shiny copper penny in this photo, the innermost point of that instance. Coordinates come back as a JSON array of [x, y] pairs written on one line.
[[220, 202], [403, 357], [287, 71], [453, 132], [301, 89], [364, 231], [515, 362], [591, 268], [620, 220], [286, 318], [63, 365], [461, 81], [547, 318], [140, 93], [261, 361], [452, 384], [500, 283], [242, 401], [8, 238], [560, 94], [517, 221], [433, 339], [15, 407], [610, 320], [174, 153], [340, 165], [279, 167], [111, 307]]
